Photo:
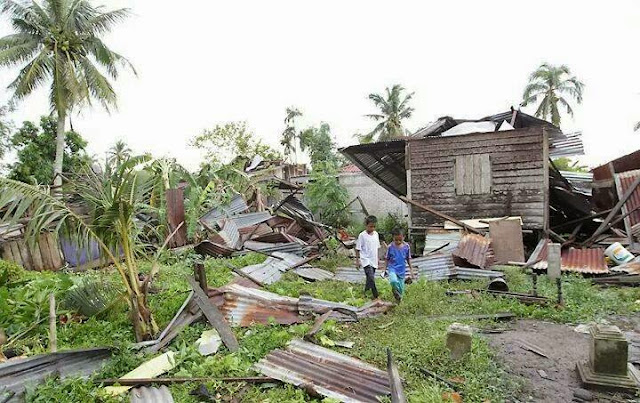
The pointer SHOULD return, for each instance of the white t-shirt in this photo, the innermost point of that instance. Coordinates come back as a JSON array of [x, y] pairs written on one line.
[[368, 245]]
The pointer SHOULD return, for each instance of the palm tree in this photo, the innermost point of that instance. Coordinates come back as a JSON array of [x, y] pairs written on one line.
[[393, 109], [289, 136], [60, 43], [551, 84], [118, 153], [113, 198]]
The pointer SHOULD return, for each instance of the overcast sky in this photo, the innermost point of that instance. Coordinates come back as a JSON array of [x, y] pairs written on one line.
[[201, 63]]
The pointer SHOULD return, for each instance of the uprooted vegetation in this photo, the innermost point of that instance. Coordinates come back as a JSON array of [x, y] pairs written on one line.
[[417, 341]]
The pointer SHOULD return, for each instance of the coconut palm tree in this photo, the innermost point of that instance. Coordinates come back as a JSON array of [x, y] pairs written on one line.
[[113, 199], [289, 136], [551, 84], [118, 153], [393, 109], [57, 43]]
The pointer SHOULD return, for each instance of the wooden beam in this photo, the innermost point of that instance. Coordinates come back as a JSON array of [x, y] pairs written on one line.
[[627, 221], [614, 212], [440, 215], [214, 316], [397, 392]]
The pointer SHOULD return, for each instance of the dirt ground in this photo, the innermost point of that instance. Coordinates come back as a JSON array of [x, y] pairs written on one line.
[[552, 379]]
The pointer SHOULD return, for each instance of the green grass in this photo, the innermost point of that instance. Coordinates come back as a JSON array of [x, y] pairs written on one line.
[[416, 342]]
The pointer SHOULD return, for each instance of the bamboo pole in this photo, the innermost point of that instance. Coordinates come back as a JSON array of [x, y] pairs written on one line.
[[53, 339]]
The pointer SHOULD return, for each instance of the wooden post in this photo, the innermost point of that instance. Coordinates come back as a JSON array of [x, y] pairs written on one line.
[[201, 276], [53, 340]]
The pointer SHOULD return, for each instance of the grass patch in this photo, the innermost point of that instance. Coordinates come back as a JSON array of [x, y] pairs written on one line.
[[416, 341]]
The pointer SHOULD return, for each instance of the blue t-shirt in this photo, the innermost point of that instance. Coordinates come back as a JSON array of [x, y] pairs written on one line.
[[397, 258]]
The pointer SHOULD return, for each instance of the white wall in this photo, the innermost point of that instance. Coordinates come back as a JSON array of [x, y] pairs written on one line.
[[377, 199]]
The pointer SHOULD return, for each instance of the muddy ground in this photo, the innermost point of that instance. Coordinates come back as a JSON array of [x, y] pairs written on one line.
[[552, 379]]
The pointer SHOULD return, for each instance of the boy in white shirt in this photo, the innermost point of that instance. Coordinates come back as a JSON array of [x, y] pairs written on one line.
[[367, 247]]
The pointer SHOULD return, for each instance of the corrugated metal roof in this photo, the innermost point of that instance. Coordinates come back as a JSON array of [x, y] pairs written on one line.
[[566, 145], [151, 395], [626, 180], [437, 238], [266, 247], [246, 306], [313, 273], [278, 237], [587, 261], [236, 206], [326, 372], [466, 273], [17, 374], [271, 270], [294, 208], [350, 275], [255, 230], [247, 219], [475, 249]]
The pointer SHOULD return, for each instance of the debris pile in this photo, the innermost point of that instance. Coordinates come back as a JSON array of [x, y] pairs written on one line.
[[288, 227]]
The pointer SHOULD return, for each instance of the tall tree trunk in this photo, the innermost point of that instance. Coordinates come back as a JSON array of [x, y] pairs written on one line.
[[57, 165]]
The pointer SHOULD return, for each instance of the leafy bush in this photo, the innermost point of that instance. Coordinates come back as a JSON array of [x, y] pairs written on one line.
[[10, 272], [388, 223], [327, 197]]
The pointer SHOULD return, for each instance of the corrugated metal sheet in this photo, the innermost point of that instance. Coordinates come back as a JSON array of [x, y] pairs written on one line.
[[326, 372], [271, 270], [582, 181], [438, 266], [17, 374], [465, 273], [476, 250], [294, 208], [566, 145], [230, 234], [247, 219], [266, 247], [350, 275], [278, 237], [313, 273], [629, 268], [236, 206], [244, 306], [436, 238], [587, 261], [151, 395], [208, 248], [255, 230], [590, 261], [626, 180]]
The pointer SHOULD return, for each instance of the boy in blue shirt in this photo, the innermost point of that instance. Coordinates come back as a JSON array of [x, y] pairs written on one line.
[[398, 257]]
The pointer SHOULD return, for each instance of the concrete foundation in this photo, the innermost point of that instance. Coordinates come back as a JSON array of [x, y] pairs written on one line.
[[458, 340]]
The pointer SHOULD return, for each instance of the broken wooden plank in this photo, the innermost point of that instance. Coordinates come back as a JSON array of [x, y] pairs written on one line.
[[440, 215], [317, 325], [397, 391], [613, 213], [214, 316], [533, 348]]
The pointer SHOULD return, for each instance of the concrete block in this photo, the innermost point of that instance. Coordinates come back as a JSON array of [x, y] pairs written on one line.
[[609, 350], [458, 340]]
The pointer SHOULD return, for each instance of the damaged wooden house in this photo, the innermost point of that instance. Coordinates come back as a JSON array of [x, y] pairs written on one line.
[[496, 166]]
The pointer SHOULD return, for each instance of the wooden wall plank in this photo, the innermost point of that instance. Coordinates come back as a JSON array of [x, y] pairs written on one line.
[[36, 257], [23, 247], [15, 252], [47, 264]]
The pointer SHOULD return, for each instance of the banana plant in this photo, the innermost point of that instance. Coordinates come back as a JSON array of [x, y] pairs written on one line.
[[108, 204]]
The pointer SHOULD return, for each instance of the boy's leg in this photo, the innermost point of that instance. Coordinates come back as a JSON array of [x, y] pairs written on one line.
[[395, 285], [370, 272]]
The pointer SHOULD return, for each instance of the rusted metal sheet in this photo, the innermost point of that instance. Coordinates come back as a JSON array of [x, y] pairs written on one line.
[[244, 306], [271, 270], [326, 373], [278, 237], [254, 231], [629, 268], [17, 374], [633, 203], [475, 249], [247, 219], [237, 205], [590, 261], [265, 247], [313, 273], [145, 394], [208, 248], [350, 275], [586, 261], [176, 216]]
